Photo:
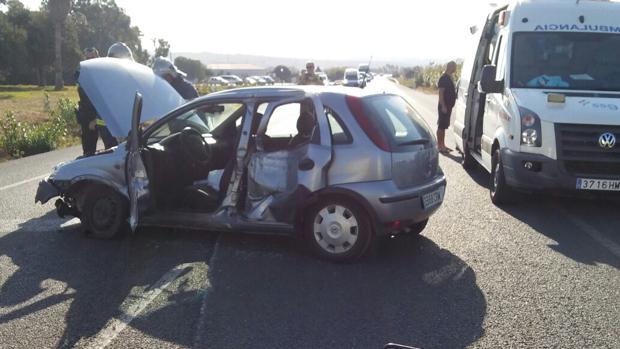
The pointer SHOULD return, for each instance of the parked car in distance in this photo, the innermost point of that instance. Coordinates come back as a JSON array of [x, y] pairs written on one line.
[[260, 81], [351, 77], [336, 167], [269, 80], [219, 81], [233, 79], [323, 78], [250, 81]]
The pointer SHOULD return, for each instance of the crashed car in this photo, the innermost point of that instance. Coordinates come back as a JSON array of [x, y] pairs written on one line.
[[335, 166]]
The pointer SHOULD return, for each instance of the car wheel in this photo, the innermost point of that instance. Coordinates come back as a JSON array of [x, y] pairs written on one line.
[[417, 228], [468, 161], [500, 191], [338, 230], [104, 213]]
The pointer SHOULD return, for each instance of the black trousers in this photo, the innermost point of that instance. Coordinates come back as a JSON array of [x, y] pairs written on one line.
[[90, 138], [108, 140]]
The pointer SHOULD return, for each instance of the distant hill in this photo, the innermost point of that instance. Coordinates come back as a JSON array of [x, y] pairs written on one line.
[[267, 62]]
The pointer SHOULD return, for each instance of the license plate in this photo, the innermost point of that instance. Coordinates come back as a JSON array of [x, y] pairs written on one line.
[[433, 198], [598, 184]]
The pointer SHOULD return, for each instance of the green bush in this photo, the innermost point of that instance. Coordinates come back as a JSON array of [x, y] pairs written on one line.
[[19, 139]]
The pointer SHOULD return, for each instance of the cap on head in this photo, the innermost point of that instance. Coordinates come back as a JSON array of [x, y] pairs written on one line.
[[90, 53], [162, 66], [120, 50]]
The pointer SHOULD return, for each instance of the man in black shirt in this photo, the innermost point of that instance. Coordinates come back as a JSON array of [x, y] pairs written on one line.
[[447, 98], [163, 67]]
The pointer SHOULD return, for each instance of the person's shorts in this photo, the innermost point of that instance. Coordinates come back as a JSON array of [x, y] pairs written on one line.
[[443, 122]]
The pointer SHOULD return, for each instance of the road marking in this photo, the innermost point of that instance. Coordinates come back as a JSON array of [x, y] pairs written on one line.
[[203, 308], [23, 182], [593, 233], [116, 326]]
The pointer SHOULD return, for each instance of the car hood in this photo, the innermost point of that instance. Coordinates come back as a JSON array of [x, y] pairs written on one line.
[[580, 107], [111, 84]]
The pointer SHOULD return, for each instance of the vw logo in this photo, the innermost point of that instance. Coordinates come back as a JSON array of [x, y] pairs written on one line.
[[607, 140]]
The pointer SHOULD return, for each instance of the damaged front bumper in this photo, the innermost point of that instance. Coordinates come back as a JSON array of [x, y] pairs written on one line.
[[46, 191]]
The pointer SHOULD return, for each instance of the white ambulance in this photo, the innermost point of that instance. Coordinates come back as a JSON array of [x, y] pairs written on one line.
[[538, 102]]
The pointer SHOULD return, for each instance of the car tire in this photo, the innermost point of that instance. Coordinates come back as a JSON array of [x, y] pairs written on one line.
[[468, 161], [501, 193], [337, 230], [417, 228], [104, 213]]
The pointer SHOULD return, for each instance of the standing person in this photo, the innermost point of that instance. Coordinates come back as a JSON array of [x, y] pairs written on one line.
[[175, 77], [86, 114], [447, 98], [310, 77]]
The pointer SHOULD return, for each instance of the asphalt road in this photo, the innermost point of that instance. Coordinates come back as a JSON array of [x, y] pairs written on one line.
[[544, 273]]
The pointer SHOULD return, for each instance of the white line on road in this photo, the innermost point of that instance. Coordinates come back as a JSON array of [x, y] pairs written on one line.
[[116, 326], [593, 233], [23, 182]]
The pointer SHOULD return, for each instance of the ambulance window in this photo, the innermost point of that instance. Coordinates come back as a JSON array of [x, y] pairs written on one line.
[[500, 58]]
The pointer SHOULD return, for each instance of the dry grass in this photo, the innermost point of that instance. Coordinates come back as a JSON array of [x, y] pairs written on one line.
[[28, 102]]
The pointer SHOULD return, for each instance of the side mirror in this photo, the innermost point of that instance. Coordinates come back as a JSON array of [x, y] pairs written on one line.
[[487, 83]]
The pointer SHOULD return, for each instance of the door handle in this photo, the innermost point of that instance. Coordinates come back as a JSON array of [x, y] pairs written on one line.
[[306, 165]]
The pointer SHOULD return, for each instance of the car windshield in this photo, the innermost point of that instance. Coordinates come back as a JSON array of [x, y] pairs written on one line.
[[351, 76], [572, 61], [203, 119]]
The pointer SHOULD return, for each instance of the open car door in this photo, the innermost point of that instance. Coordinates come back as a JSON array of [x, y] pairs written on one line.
[[279, 179], [137, 179]]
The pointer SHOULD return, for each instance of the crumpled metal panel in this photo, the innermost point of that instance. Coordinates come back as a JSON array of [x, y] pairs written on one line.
[[271, 173]]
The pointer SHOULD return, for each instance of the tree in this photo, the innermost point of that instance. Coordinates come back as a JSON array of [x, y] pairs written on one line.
[[100, 23], [283, 73], [58, 10], [194, 68], [162, 48]]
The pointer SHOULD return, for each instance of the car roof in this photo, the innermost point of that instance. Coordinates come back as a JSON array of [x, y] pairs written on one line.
[[290, 91]]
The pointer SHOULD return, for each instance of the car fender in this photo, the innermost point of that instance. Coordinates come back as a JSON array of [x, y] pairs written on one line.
[[94, 179]]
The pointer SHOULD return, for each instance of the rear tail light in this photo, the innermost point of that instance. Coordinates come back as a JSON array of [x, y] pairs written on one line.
[[371, 129]]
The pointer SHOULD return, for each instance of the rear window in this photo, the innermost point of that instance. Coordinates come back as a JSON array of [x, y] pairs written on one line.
[[351, 76], [397, 121]]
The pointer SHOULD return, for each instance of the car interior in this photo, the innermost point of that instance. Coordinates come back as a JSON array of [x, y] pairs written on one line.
[[190, 158]]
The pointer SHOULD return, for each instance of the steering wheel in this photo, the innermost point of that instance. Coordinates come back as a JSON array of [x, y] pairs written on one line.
[[194, 147]]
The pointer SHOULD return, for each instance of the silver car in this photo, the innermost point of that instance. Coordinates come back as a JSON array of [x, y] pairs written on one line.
[[334, 166]]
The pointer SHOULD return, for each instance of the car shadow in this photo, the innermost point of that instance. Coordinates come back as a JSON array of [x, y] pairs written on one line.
[[265, 294], [479, 175], [91, 278], [547, 214]]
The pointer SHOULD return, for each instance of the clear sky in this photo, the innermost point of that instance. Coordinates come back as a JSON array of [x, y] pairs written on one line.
[[320, 29]]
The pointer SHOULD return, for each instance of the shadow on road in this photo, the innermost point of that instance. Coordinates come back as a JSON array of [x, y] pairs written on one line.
[[454, 156], [410, 291], [96, 276], [547, 215]]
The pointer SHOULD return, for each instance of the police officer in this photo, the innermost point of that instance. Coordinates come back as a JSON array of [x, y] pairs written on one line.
[[86, 114], [310, 77], [176, 78]]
